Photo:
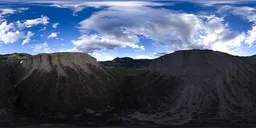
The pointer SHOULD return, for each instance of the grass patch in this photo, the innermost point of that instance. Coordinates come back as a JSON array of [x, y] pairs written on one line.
[[128, 72], [16, 57]]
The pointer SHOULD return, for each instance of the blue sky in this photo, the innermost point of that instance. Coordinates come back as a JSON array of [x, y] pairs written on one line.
[[138, 29]]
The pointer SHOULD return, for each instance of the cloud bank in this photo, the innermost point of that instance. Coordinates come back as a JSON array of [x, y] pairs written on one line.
[[117, 27]]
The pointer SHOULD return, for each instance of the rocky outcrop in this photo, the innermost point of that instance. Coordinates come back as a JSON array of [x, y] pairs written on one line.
[[65, 83], [198, 86]]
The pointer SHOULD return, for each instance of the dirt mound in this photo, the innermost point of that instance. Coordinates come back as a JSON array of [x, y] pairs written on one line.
[[199, 86], [65, 83]]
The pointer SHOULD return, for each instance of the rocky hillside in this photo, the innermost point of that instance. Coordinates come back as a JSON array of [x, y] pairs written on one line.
[[195, 86], [64, 83], [198, 86]]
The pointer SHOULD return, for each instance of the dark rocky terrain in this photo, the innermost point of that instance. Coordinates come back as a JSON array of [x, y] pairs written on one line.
[[5, 85], [185, 87]]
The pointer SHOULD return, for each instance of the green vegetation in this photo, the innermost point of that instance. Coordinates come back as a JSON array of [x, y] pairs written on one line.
[[128, 72], [14, 56], [127, 62]]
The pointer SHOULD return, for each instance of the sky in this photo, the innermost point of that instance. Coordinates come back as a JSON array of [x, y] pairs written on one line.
[[137, 29]]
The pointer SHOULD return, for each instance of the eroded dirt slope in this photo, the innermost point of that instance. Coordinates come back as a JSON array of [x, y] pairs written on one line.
[[64, 83], [197, 86]]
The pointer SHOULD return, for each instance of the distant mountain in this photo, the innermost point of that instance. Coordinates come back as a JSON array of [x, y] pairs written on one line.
[[253, 56], [127, 62]]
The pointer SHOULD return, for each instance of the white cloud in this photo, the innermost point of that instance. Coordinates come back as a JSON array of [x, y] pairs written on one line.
[[246, 12], [6, 11], [142, 48], [216, 2], [96, 42], [14, 32], [27, 38], [55, 25], [102, 56], [78, 6], [53, 35], [251, 36], [118, 27], [44, 47], [98, 4], [43, 29], [143, 57], [8, 34], [33, 22]]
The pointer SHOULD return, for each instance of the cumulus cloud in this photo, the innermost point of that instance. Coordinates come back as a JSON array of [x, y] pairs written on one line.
[[251, 36], [119, 27], [246, 12], [91, 43], [55, 25], [8, 33], [44, 47], [33, 22], [53, 35], [27, 38], [13, 32]]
